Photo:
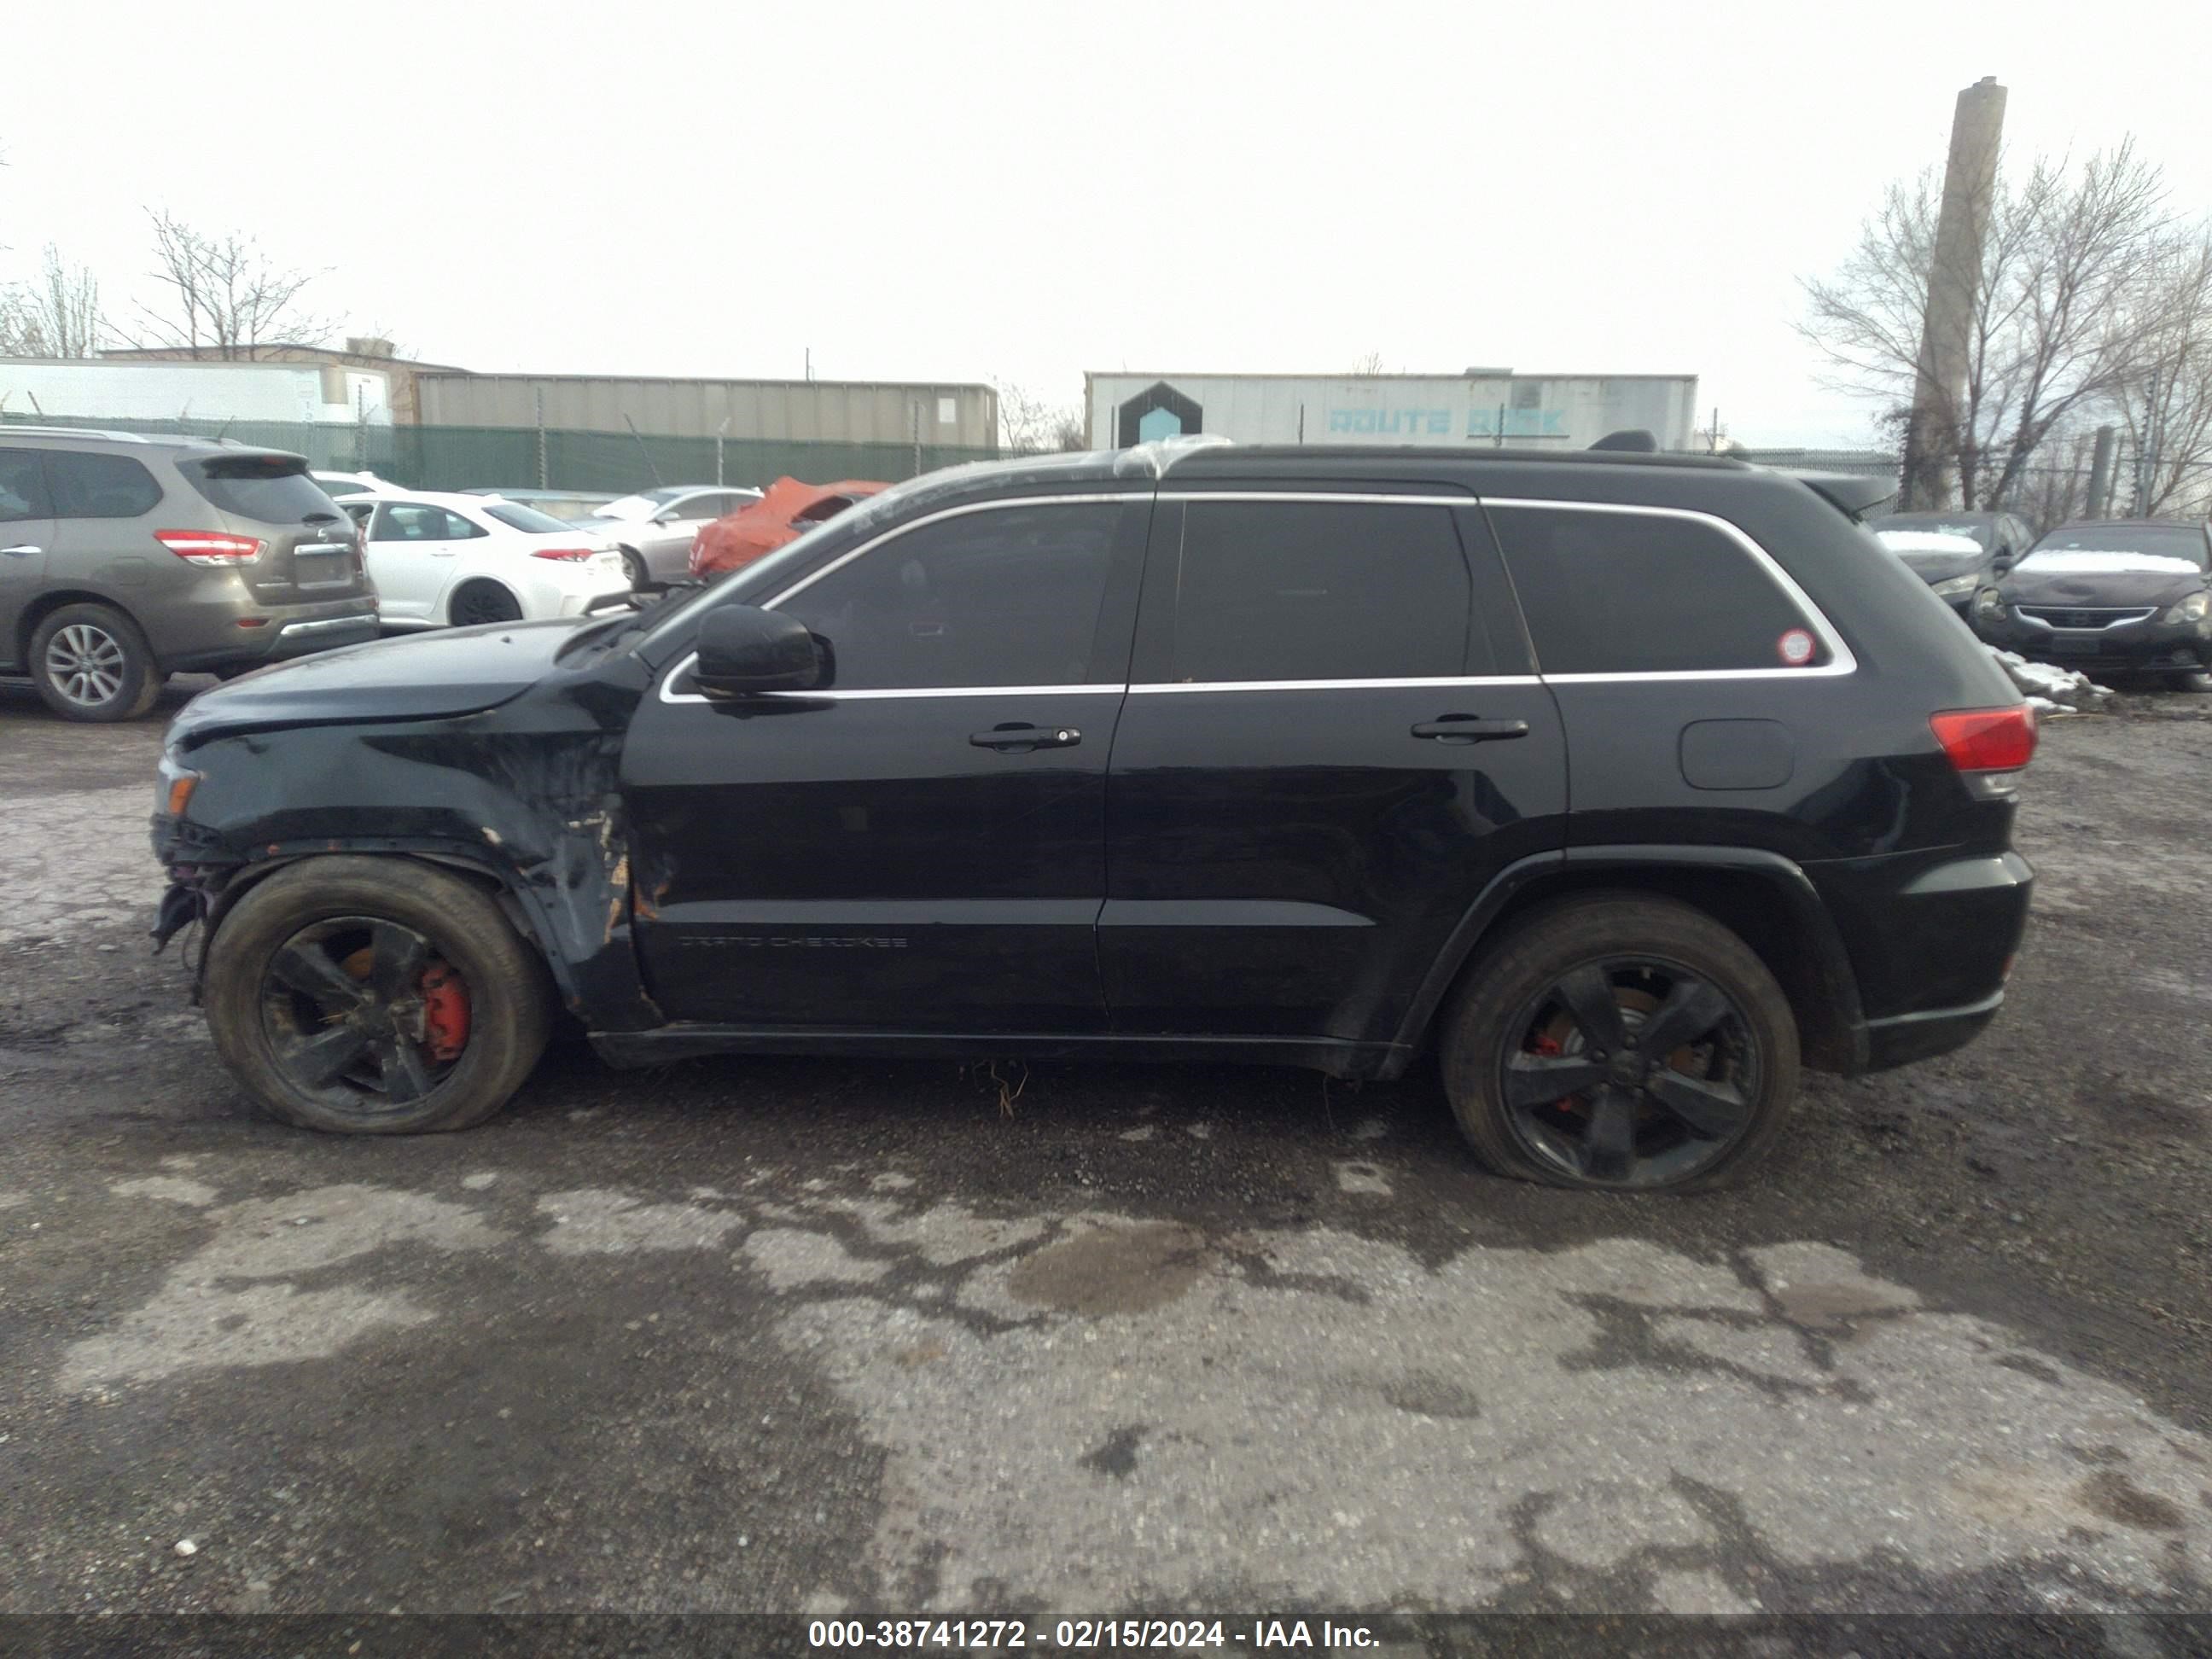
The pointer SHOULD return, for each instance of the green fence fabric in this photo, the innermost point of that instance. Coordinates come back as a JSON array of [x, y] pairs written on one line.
[[524, 457]]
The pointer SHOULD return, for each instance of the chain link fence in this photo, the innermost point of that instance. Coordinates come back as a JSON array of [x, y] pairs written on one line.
[[529, 458]]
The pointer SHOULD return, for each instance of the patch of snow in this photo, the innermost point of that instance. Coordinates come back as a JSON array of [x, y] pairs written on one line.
[[1929, 541], [2085, 563], [2048, 687]]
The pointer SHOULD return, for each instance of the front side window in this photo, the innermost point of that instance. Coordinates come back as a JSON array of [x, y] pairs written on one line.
[[1646, 593], [1006, 597], [22, 486], [101, 486], [1273, 591]]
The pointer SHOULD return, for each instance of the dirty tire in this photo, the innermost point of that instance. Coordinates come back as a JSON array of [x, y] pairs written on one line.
[[2188, 680], [640, 579], [91, 663], [479, 602], [509, 994], [1481, 1033]]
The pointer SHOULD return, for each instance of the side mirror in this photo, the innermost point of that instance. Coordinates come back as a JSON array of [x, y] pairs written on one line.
[[744, 650], [1999, 564]]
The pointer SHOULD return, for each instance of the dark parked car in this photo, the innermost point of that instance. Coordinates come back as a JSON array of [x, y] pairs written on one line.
[[2115, 594], [123, 559], [1956, 573], [1200, 753]]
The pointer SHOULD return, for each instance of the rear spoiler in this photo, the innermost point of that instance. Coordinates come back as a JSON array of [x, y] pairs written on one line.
[[1853, 494]]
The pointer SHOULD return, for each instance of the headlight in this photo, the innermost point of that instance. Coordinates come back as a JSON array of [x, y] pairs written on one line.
[[2193, 609], [1954, 587], [1988, 603], [175, 792]]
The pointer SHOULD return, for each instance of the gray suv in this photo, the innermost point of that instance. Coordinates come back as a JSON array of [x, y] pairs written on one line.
[[124, 559]]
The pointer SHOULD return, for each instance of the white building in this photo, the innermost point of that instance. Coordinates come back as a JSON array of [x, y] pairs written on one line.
[[122, 390], [1482, 406]]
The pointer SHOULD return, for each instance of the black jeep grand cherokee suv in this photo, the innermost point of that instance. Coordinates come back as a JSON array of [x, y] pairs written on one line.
[[1630, 785]]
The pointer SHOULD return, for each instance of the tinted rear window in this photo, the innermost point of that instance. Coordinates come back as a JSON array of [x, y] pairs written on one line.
[[95, 486], [275, 489], [1639, 593], [1319, 590]]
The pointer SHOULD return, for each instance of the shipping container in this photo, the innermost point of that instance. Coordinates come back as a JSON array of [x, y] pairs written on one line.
[[799, 411]]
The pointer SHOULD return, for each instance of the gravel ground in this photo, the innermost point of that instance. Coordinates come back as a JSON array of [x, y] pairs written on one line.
[[810, 1336]]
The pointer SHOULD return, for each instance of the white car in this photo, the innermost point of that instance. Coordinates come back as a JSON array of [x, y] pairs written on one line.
[[655, 530], [338, 484], [440, 561]]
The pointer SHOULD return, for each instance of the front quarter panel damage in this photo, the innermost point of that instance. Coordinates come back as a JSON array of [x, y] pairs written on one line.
[[526, 793]]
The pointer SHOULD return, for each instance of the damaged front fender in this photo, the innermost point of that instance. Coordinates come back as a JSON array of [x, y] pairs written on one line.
[[526, 794]]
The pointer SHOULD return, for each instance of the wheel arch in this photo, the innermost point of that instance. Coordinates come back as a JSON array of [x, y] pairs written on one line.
[[516, 901], [1763, 897], [51, 599], [479, 579]]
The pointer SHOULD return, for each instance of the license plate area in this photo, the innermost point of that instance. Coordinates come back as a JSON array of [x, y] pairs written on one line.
[[2073, 644], [322, 567]]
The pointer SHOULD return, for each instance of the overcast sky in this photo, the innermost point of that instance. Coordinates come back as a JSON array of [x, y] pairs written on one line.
[[1022, 192]]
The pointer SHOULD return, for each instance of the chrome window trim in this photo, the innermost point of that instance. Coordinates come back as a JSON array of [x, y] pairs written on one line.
[[1840, 660], [1154, 687], [690, 661], [1357, 497]]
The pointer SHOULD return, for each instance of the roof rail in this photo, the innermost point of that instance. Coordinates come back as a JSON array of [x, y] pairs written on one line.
[[22, 428]]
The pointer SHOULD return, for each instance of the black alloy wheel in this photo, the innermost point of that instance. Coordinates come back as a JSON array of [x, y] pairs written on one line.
[[348, 1007], [1629, 1072], [1621, 1042]]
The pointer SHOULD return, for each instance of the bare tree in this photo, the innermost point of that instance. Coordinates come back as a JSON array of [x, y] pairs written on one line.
[[1370, 365], [225, 298], [2167, 409], [2063, 310], [1028, 425], [56, 315]]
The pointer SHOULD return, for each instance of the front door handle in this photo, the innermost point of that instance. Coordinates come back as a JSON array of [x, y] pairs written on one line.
[[1018, 737], [1470, 728], [22, 550]]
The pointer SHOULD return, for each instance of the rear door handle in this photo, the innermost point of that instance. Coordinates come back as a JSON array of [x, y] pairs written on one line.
[[1470, 728], [1017, 738]]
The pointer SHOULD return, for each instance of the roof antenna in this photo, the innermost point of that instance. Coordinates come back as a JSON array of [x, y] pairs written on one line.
[[1635, 440]]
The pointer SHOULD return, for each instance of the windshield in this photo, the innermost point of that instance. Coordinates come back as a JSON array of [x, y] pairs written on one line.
[[528, 520], [1978, 531], [2171, 541], [638, 506]]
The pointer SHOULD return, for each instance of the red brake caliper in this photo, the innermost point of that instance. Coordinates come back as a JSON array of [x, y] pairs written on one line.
[[444, 1012]]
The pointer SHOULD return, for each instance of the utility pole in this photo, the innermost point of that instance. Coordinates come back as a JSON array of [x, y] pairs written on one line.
[[2100, 472], [1955, 280], [540, 397], [719, 432]]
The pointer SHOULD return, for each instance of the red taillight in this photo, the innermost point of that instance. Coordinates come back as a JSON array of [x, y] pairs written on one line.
[[566, 555], [1986, 740], [208, 546]]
